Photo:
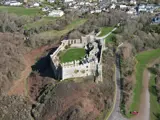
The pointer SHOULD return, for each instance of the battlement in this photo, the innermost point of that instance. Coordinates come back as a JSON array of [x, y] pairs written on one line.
[[89, 65]]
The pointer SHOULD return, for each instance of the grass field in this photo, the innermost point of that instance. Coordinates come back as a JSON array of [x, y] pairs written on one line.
[[41, 22], [20, 10], [105, 30], [72, 54], [68, 28], [154, 105], [109, 38], [142, 60]]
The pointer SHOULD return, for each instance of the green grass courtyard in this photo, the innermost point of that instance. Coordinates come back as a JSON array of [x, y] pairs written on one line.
[[143, 59], [72, 54]]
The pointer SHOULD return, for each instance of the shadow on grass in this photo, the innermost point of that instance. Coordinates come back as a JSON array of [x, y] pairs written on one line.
[[157, 115], [43, 66], [153, 70], [152, 90]]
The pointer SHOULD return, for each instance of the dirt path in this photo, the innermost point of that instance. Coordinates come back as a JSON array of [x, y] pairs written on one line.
[[144, 111], [19, 85]]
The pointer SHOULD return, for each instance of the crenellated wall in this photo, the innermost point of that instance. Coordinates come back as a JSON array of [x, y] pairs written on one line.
[[74, 69], [78, 70]]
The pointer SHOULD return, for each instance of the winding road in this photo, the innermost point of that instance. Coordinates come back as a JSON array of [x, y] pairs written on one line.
[[116, 115]]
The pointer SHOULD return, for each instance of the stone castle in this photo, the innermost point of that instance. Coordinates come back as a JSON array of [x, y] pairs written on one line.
[[90, 65]]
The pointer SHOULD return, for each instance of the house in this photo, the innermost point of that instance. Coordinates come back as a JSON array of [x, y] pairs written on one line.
[[67, 1], [12, 3], [51, 1], [123, 6], [156, 19], [15, 3], [98, 11], [113, 6], [36, 4], [133, 2], [131, 11], [45, 9], [56, 13]]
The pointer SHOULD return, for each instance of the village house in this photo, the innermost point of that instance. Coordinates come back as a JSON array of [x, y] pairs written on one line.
[[133, 2], [113, 6], [51, 1], [156, 19], [67, 1], [12, 3], [36, 4], [56, 13]]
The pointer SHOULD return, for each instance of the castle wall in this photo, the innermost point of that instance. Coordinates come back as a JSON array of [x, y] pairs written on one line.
[[73, 69], [76, 70]]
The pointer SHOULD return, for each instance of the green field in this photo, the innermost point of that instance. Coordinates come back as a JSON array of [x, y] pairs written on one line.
[[105, 30], [68, 28], [154, 105], [72, 54], [20, 10], [142, 60], [109, 38], [41, 22]]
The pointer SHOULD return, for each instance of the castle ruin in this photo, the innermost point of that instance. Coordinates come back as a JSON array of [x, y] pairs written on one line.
[[90, 65]]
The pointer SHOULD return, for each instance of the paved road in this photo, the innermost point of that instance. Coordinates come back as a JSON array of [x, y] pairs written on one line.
[[116, 115]]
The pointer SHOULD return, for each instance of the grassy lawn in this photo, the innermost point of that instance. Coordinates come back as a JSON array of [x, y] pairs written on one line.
[[154, 105], [109, 38], [68, 28], [20, 10], [105, 30], [41, 22], [142, 60], [72, 54]]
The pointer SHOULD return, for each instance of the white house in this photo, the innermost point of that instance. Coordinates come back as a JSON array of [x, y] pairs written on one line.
[[123, 6], [36, 4], [15, 3], [98, 11], [51, 1], [56, 13], [92, 12], [132, 11], [12, 3], [133, 2], [66, 1], [113, 6]]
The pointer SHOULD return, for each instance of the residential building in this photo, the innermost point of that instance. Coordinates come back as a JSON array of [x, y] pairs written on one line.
[[123, 6], [56, 13], [133, 2], [113, 6], [67, 1], [156, 19], [36, 4], [51, 1], [12, 3]]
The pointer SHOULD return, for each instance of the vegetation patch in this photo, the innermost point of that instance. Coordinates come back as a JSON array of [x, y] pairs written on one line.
[[110, 38], [105, 30], [72, 54], [68, 28], [41, 22], [20, 10], [142, 60], [155, 106]]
